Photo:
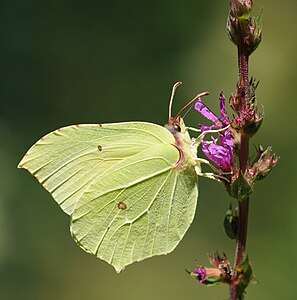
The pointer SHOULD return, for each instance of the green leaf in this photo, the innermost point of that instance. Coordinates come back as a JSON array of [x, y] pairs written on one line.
[[240, 189], [231, 223], [252, 128], [245, 273]]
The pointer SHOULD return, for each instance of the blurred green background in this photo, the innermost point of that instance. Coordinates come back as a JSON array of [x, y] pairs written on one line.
[[67, 62]]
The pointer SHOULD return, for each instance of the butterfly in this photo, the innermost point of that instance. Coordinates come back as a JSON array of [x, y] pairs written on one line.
[[130, 188]]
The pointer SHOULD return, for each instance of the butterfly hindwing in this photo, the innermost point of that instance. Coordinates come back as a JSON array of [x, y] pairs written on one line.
[[142, 207]]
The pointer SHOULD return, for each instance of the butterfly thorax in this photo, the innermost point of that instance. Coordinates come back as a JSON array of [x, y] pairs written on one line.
[[184, 144]]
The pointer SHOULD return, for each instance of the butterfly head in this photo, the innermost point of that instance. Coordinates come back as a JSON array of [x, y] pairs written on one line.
[[176, 124]]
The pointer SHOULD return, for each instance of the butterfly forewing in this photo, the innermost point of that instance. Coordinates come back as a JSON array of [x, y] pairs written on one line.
[[67, 160]]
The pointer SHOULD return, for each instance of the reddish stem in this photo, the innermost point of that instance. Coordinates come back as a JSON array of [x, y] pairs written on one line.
[[243, 92]]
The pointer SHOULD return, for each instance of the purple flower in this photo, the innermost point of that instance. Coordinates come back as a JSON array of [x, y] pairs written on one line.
[[209, 276], [220, 272], [200, 273], [219, 150]]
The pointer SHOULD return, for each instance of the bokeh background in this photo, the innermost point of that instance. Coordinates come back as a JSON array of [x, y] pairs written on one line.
[[67, 62]]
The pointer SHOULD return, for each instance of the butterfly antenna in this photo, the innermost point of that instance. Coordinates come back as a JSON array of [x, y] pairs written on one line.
[[171, 98], [185, 114], [191, 102]]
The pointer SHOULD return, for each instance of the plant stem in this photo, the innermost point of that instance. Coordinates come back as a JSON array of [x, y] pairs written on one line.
[[243, 205]]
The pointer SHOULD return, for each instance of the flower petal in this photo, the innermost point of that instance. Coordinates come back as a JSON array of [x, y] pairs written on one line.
[[219, 150], [204, 110], [226, 139], [204, 128], [220, 155], [201, 274]]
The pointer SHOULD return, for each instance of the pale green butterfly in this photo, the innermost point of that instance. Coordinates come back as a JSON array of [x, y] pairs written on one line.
[[130, 188]]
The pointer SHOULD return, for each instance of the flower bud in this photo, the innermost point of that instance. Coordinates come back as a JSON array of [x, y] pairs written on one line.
[[249, 119], [263, 164], [242, 29], [241, 8], [235, 102], [222, 263], [253, 35], [220, 273], [232, 29], [208, 276], [248, 122]]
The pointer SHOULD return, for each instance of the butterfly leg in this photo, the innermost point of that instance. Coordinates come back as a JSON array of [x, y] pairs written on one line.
[[197, 141], [209, 175], [193, 129], [199, 172]]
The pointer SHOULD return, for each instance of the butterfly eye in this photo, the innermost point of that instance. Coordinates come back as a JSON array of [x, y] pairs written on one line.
[[177, 127]]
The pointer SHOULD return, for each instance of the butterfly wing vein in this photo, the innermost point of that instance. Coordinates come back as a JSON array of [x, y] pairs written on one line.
[[120, 184]]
